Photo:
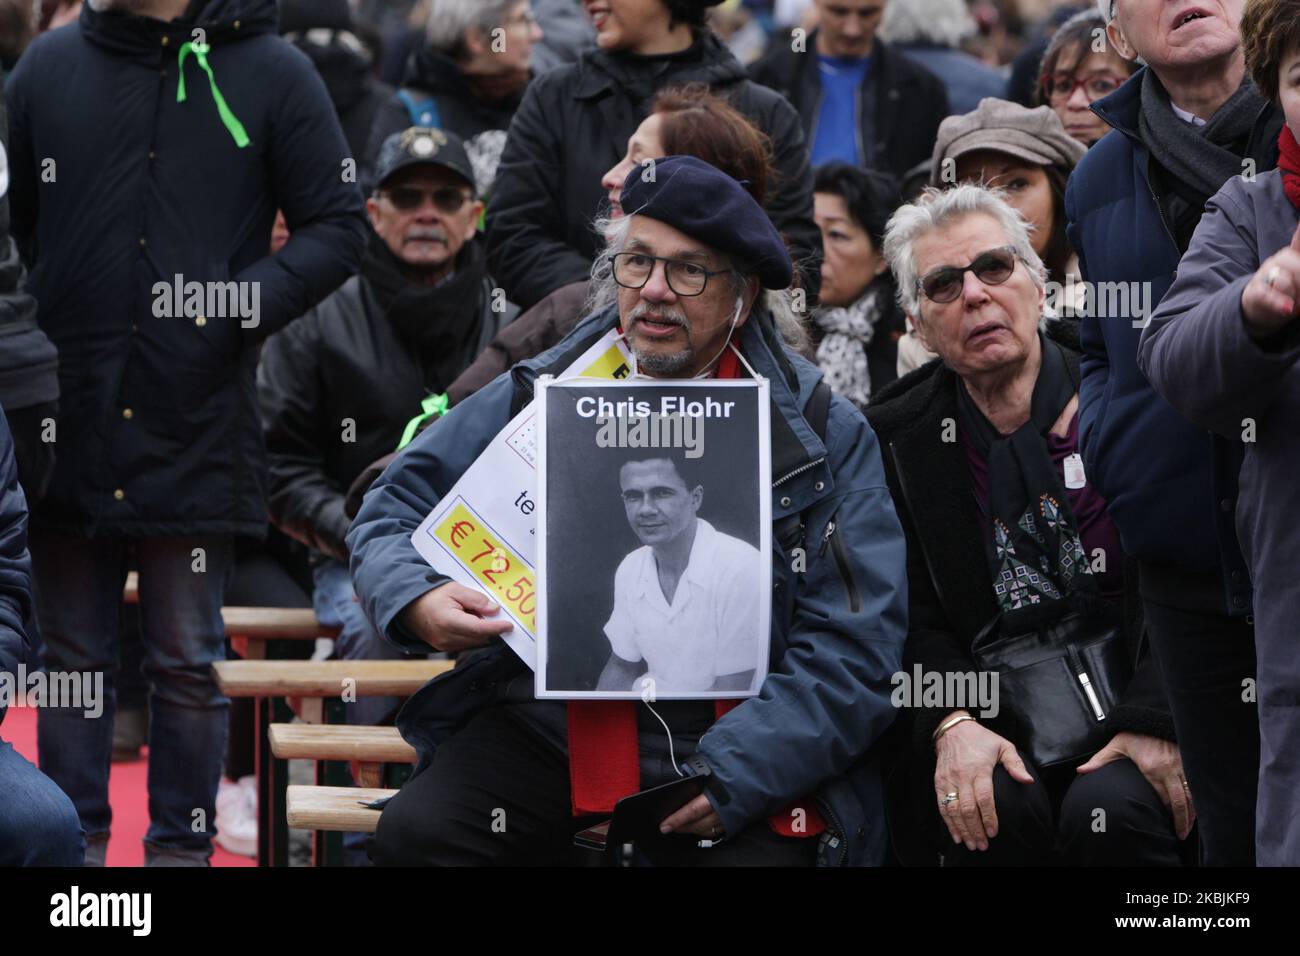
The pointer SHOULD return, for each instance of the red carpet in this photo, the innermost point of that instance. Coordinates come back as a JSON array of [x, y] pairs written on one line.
[[127, 793]]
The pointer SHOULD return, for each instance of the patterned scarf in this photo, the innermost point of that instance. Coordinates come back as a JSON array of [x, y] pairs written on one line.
[[1034, 551], [842, 354]]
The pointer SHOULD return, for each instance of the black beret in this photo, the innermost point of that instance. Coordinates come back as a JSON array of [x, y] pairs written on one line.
[[709, 206]]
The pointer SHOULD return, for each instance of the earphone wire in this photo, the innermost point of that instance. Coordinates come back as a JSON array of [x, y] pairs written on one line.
[[672, 755]]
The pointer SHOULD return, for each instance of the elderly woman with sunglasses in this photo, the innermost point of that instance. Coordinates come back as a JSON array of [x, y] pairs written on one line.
[[1009, 546]]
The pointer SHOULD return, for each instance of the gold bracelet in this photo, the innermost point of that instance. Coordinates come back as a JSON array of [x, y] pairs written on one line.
[[948, 725]]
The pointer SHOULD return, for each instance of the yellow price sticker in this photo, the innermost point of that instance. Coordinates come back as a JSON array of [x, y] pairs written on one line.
[[496, 567], [611, 364]]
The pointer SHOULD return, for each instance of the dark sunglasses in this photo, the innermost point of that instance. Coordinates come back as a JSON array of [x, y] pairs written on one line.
[[993, 267], [448, 199]]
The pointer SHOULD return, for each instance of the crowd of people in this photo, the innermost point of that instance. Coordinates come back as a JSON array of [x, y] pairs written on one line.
[[1022, 278]]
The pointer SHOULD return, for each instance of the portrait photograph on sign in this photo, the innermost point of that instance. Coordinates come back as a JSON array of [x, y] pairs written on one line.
[[654, 573]]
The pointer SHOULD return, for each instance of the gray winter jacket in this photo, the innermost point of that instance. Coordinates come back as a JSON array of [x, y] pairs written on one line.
[[1199, 357]]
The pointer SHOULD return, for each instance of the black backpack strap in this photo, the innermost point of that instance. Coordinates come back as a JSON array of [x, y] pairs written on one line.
[[789, 530], [818, 409]]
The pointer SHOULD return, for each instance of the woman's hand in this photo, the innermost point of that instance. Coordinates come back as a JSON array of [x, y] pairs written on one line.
[[965, 758], [1269, 300], [1161, 764]]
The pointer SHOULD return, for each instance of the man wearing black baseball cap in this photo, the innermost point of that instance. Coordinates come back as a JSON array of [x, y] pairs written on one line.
[[791, 776], [339, 387]]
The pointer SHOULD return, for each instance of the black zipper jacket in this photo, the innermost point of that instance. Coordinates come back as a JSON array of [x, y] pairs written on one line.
[[900, 102], [574, 124], [951, 595]]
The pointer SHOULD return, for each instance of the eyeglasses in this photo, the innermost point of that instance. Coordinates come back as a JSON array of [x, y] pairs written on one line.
[[632, 270], [525, 20], [447, 199], [1061, 87], [993, 267]]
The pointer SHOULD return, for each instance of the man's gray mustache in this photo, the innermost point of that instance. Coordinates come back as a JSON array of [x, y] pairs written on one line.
[[668, 315], [425, 235]]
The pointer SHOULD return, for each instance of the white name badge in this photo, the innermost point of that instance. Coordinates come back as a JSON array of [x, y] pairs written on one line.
[[1074, 476]]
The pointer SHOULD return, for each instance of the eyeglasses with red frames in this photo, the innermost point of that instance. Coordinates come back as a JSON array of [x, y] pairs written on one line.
[[1058, 88]]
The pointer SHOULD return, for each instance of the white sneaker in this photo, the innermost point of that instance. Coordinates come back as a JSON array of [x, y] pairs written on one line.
[[237, 816]]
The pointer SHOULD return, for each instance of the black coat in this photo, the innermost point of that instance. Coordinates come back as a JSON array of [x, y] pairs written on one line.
[[574, 124], [481, 124], [29, 364], [338, 387], [116, 187], [357, 96], [903, 103], [950, 592], [948, 575], [15, 564]]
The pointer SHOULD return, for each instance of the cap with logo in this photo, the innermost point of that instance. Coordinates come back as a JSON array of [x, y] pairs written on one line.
[[423, 146]]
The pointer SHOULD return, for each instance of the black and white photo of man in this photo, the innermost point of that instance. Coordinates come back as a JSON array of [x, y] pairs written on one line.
[[684, 613]]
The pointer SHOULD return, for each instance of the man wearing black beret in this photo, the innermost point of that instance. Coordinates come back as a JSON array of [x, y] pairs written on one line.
[[694, 269]]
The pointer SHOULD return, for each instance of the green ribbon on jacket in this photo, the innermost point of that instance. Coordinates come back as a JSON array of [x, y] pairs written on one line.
[[433, 405], [200, 51]]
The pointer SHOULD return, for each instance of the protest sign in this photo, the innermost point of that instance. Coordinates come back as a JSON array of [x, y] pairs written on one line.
[[654, 551], [482, 533]]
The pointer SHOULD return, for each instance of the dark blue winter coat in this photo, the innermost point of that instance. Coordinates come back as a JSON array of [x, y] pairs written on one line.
[[117, 186], [1170, 486]]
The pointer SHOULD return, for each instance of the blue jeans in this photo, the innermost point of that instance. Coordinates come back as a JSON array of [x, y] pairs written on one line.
[[79, 606], [336, 606], [38, 823]]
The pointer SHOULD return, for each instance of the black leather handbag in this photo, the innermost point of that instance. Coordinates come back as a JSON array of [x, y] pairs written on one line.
[[1060, 683]]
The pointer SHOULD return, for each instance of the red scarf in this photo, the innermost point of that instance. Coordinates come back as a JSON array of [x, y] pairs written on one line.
[[604, 764], [1289, 163]]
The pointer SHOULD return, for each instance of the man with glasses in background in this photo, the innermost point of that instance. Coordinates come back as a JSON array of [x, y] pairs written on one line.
[[339, 388]]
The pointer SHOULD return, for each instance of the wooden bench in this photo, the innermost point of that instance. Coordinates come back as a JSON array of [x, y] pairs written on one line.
[[310, 684], [334, 808], [368, 747], [250, 628]]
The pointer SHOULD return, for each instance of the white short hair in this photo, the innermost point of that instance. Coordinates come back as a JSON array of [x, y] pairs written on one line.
[[936, 208], [450, 20], [943, 22]]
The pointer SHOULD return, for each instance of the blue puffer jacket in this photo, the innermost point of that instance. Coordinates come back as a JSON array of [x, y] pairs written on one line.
[[837, 627], [1170, 486], [15, 565]]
